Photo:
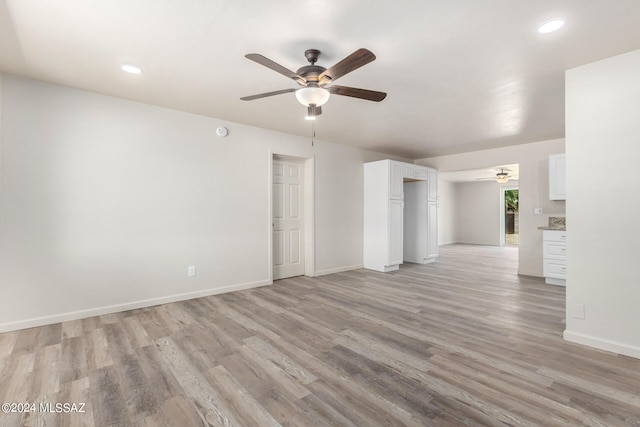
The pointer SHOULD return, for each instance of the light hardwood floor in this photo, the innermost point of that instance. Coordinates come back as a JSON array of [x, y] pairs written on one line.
[[463, 341]]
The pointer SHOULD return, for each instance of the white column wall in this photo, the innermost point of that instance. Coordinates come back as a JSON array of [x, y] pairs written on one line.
[[603, 191]]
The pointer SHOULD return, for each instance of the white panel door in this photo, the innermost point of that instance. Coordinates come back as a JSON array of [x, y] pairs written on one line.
[[288, 225]]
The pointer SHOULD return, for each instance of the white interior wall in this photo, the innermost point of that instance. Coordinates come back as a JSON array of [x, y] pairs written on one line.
[[603, 134], [0, 140], [105, 202], [478, 219], [447, 212], [533, 186]]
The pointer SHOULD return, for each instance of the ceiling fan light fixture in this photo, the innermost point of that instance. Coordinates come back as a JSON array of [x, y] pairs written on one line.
[[502, 177], [312, 95]]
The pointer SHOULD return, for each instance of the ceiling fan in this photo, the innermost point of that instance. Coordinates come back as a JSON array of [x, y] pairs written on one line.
[[315, 80], [501, 177]]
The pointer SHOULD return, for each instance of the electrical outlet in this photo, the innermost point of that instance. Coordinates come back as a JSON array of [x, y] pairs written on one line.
[[537, 211], [578, 311], [191, 270]]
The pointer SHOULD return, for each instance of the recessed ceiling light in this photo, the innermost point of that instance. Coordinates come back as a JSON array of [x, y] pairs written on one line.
[[551, 26], [131, 69]]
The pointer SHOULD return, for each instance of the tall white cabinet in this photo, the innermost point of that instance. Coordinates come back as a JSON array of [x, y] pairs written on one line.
[[400, 214]]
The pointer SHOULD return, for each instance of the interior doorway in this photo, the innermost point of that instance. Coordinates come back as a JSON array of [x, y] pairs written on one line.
[[288, 218], [291, 216], [509, 216]]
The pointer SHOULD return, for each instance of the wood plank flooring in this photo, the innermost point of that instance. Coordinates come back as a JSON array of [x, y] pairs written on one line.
[[463, 341]]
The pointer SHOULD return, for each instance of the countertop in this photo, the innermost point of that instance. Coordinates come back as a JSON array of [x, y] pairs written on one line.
[[555, 223]]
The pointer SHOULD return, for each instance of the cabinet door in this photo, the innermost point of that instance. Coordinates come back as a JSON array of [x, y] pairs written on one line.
[[396, 190], [408, 171], [432, 180], [396, 216], [554, 269], [554, 235], [554, 250], [557, 180], [432, 238], [421, 173]]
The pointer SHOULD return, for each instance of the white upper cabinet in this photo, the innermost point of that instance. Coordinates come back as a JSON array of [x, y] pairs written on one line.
[[432, 181], [396, 191], [557, 177], [414, 172]]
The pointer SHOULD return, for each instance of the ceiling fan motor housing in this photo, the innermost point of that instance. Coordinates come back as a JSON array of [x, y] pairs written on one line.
[[310, 73], [312, 55]]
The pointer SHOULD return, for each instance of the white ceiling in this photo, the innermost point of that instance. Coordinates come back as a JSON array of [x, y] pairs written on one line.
[[461, 75]]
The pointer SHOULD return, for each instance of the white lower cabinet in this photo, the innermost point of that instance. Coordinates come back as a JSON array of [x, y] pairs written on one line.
[[554, 256]]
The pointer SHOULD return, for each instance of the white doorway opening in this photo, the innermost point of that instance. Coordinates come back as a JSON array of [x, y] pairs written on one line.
[[291, 216], [509, 212]]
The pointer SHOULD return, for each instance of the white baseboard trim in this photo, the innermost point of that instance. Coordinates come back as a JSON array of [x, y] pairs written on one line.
[[553, 281], [337, 270], [591, 341], [99, 311]]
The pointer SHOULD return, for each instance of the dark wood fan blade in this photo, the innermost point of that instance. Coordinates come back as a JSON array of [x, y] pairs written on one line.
[[264, 95], [370, 95], [352, 62], [262, 60]]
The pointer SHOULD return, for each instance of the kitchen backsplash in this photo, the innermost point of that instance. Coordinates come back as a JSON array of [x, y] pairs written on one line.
[[557, 221]]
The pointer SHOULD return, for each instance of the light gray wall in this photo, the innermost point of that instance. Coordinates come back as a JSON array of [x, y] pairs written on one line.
[[533, 186], [478, 220], [603, 191], [105, 202], [447, 212]]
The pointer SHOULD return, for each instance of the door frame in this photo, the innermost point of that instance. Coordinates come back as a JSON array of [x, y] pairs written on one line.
[[503, 225], [308, 214]]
